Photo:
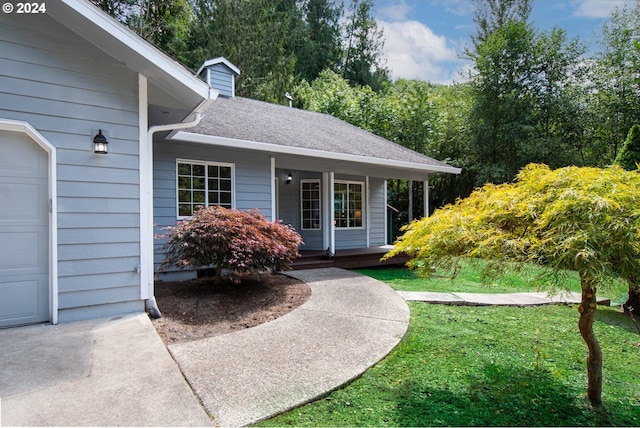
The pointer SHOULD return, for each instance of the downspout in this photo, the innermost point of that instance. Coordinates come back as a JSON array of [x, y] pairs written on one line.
[[150, 304]]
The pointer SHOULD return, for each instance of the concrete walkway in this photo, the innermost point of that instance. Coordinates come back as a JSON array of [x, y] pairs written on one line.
[[507, 299], [105, 372], [118, 372], [349, 323]]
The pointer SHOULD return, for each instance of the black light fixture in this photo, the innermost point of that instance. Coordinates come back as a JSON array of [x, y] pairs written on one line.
[[100, 143], [289, 178]]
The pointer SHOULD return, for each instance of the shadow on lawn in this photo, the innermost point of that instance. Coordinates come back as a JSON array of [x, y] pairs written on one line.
[[502, 397]]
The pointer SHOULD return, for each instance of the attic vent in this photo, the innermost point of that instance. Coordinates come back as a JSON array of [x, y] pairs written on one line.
[[220, 74]]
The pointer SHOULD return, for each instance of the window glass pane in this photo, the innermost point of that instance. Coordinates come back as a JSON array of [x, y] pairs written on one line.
[[198, 197], [225, 198], [198, 182], [225, 185], [184, 210], [184, 182], [198, 170], [213, 198], [213, 171], [225, 172], [184, 196], [184, 169]]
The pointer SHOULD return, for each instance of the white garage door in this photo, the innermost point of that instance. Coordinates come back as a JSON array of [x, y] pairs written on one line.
[[24, 231]]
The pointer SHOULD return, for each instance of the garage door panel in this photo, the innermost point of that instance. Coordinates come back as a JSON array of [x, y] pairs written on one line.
[[24, 159], [19, 255], [21, 301], [24, 230], [16, 207]]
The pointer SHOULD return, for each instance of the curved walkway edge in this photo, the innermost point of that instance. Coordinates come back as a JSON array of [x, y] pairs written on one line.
[[349, 323]]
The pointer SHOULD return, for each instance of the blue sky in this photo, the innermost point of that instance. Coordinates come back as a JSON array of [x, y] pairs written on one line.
[[424, 37]]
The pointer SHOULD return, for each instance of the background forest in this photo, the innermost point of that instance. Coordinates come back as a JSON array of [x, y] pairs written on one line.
[[529, 95]]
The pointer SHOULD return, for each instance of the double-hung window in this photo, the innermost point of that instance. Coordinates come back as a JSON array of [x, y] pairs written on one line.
[[348, 204], [202, 184]]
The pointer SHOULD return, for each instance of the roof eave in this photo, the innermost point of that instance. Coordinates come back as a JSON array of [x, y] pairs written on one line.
[[313, 153]]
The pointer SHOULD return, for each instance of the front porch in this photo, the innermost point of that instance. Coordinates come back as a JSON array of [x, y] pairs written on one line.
[[347, 258]]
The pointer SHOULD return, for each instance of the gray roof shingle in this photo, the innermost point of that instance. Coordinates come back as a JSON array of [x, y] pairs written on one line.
[[257, 121]]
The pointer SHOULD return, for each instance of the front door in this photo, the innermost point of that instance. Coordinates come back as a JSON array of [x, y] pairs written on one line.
[[24, 231]]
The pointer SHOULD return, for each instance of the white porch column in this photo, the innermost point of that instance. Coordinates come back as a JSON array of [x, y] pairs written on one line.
[[426, 197], [329, 228], [274, 210], [367, 210]]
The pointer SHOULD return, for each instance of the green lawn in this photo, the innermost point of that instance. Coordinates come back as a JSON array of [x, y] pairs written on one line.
[[469, 280], [465, 366]]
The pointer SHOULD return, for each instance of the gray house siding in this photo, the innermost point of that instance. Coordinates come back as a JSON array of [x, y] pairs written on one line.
[[221, 79], [252, 181], [67, 90]]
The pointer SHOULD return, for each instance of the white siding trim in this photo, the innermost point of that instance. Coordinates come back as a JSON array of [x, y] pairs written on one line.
[[146, 193], [26, 128]]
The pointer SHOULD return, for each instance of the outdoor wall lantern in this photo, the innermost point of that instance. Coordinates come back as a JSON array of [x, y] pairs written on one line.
[[289, 178], [100, 143]]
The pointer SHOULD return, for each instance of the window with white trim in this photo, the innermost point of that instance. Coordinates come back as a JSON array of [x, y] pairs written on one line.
[[348, 204], [310, 198], [202, 184]]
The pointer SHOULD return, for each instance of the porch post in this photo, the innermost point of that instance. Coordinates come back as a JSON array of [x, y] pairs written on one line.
[[367, 210], [331, 213], [274, 210], [426, 197]]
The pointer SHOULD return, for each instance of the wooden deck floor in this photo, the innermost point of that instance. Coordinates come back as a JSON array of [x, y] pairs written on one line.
[[347, 259]]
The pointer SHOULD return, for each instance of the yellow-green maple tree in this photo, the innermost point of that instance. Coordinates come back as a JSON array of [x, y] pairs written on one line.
[[573, 218]]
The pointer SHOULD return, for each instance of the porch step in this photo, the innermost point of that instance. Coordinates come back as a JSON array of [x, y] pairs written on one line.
[[346, 259], [303, 263]]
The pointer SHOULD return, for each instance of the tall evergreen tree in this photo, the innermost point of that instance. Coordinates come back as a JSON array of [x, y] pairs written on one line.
[[165, 23], [316, 40], [364, 40], [251, 34]]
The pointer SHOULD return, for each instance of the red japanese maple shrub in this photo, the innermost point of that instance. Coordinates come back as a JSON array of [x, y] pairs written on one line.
[[230, 240]]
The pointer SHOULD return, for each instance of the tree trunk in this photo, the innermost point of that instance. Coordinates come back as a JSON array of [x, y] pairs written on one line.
[[587, 311], [632, 305], [219, 266]]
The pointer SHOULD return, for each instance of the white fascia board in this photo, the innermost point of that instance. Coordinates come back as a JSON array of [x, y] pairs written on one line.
[[274, 148], [100, 28]]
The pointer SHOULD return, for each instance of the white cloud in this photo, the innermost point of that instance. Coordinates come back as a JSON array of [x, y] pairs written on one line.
[[456, 7], [414, 51], [397, 11], [597, 8]]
